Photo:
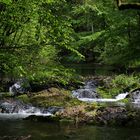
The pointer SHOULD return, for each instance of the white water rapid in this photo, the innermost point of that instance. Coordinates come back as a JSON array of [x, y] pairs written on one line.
[[15, 116], [117, 98], [15, 109], [88, 94]]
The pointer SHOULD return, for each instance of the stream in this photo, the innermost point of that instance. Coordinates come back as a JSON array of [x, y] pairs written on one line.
[[13, 127], [49, 131], [88, 93]]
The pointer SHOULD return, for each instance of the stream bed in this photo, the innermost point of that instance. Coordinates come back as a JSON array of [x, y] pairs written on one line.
[[12, 127]]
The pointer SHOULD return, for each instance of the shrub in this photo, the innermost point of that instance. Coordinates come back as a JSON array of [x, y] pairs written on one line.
[[119, 84]]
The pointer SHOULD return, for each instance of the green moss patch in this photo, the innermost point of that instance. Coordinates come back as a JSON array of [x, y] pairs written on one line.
[[54, 97], [24, 98]]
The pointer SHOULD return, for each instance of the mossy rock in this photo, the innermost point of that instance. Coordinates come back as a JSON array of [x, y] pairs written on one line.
[[54, 97], [24, 98], [78, 114]]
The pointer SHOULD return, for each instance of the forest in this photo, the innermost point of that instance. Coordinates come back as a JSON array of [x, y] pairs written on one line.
[[76, 59], [38, 36]]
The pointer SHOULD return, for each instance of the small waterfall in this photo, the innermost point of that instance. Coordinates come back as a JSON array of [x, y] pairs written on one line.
[[33, 111], [88, 93], [15, 109], [121, 96], [117, 98]]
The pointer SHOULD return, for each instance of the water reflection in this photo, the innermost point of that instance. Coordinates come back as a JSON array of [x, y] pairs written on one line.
[[49, 131], [91, 69]]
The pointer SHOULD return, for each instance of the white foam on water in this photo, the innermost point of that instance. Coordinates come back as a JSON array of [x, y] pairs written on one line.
[[121, 96], [15, 116], [96, 100], [117, 98]]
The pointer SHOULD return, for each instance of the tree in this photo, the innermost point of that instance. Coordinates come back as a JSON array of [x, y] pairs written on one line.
[[31, 35]]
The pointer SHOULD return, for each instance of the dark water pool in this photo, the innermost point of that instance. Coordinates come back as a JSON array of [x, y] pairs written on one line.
[[91, 69], [50, 131]]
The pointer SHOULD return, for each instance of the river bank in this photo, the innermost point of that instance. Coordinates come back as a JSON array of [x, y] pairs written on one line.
[[68, 106]]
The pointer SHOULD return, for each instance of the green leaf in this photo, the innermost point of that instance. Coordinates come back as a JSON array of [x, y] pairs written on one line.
[[6, 1]]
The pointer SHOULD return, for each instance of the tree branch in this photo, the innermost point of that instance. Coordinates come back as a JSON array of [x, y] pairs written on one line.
[[123, 6]]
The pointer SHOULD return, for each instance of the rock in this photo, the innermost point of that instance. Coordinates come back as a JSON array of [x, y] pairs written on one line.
[[53, 109], [116, 116], [15, 106], [135, 96], [20, 87], [15, 137], [87, 91], [7, 107], [92, 84], [54, 97], [113, 116]]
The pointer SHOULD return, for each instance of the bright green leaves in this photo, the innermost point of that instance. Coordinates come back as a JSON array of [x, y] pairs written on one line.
[[32, 34], [90, 38], [6, 1]]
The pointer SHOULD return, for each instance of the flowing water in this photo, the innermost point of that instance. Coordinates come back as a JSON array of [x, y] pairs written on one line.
[[88, 93], [117, 98], [12, 127]]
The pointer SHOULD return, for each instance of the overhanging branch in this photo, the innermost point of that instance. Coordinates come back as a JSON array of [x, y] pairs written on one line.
[[123, 6]]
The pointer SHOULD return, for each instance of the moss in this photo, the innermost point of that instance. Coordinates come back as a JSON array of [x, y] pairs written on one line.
[[126, 100], [54, 97], [24, 98], [5, 95]]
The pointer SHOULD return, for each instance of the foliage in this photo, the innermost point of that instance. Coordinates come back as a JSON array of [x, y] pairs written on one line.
[[88, 26], [105, 34], [37, 35], [119, 84], [56, 74], [120, 43], [31, 36]]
